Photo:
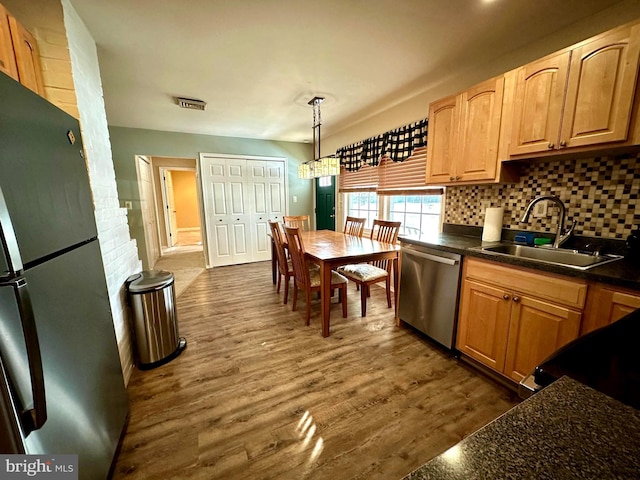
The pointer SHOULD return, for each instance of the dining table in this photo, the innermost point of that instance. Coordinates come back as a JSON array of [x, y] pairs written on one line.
[[330, 249]]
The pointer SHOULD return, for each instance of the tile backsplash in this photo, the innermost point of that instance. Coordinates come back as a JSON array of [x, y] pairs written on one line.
[[599, 193]]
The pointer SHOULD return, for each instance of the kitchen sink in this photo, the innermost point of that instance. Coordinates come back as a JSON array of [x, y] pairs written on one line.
[[554, 256]]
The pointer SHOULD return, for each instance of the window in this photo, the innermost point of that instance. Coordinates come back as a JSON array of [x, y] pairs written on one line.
[[325, 181], [419, 214], [363, 205]]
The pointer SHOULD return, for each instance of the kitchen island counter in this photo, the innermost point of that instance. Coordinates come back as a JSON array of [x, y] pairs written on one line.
[[565, 431]]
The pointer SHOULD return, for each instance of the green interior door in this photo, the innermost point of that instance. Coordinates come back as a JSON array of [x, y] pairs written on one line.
[[326, 203]]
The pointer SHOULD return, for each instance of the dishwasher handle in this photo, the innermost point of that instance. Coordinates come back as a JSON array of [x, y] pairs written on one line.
[[428, 256]]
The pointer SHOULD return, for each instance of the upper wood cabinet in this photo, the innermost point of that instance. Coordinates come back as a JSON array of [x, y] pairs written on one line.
[[27, 57], [443, 118], [579, 97], [464, 132], [7, 57]]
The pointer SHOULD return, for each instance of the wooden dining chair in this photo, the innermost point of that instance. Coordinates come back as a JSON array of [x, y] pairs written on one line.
[[354, 226], [308, 279], [285, 268], [300, 221], [365, 274]]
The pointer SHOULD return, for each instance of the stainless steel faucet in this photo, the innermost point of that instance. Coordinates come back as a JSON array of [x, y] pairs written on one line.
[[561, 236]]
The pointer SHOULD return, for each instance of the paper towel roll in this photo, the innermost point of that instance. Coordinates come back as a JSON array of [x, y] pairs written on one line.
[[492, 230]]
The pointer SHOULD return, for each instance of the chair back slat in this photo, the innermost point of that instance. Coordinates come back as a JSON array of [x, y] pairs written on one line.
[[281, 255], [303, 222], [387, 232], [297, 254], [354, 226]]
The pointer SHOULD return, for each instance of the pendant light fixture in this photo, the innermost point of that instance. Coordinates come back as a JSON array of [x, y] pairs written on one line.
[[319, 166]]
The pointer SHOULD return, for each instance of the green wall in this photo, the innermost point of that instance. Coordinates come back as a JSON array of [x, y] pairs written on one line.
[[126, 143]]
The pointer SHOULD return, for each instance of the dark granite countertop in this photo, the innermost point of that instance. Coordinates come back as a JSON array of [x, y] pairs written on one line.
[[621, 272], [565, 431]]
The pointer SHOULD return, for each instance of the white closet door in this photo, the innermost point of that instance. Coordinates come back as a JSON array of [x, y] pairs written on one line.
[[259, 202], [227, 214], [276, 191], [242, 244], [240, 196], [266, 187]]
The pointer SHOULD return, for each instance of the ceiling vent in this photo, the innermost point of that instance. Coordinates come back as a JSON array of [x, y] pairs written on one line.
[[191, 103]]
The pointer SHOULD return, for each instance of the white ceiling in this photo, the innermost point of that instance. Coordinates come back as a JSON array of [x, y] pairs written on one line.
[[257, 62]]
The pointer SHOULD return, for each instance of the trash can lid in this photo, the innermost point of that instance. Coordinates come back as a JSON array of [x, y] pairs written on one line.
[[149, 280]]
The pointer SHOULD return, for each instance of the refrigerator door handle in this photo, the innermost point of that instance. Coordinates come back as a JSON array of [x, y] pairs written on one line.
[[31, 418], [9, 242]]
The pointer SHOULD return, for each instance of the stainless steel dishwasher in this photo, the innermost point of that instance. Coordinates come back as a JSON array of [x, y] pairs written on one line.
[[429, 290]]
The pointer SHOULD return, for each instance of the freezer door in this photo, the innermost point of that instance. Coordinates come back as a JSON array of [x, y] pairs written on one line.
[[44, 176], [86, 398]]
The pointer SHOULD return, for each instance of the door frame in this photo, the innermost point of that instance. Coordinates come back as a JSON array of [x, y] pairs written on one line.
[[165, 203], [156, 235], [199, 186]]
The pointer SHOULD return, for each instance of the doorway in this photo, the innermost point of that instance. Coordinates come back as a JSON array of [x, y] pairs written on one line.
[[180, 207], [325, 203]]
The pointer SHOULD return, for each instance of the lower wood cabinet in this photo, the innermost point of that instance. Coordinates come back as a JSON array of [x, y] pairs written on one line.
[[607, 304], [511, 319]]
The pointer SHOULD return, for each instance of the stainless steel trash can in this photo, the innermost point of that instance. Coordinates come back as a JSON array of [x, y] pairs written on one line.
[[155, 321]]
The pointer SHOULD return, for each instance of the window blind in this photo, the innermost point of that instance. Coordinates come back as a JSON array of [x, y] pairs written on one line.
[[365, 179], [408, 174]]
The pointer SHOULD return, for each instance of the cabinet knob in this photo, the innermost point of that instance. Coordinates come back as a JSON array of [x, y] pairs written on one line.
[[506, 296], [451, 179], [457, 177], [563, 144], [550, 146], [516, 299]]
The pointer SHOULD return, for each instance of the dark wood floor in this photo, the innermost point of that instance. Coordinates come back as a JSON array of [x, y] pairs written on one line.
[[258, 395]]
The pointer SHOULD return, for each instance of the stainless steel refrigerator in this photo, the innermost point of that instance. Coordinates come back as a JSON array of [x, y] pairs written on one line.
[[61, 384]]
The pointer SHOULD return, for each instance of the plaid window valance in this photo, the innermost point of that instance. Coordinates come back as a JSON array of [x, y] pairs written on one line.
[[396, 144], [403, 140]]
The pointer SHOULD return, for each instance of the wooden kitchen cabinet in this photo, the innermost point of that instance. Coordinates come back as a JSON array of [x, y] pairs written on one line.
[[464, 132], [607, 304], [483, 323], [510, 319], [537, 329], [443, 118], [27, 57], [7, 57], [579, 97]]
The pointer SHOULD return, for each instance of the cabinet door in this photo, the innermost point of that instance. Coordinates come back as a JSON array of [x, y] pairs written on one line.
[[480, 116], [538, 101], [27, 57], [483, 323], [537, 329], [607, 305], [601, 88], [443, 121], [7, 57]]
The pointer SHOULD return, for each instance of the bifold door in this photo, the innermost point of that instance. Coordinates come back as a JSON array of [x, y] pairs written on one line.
[[240, 196]]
